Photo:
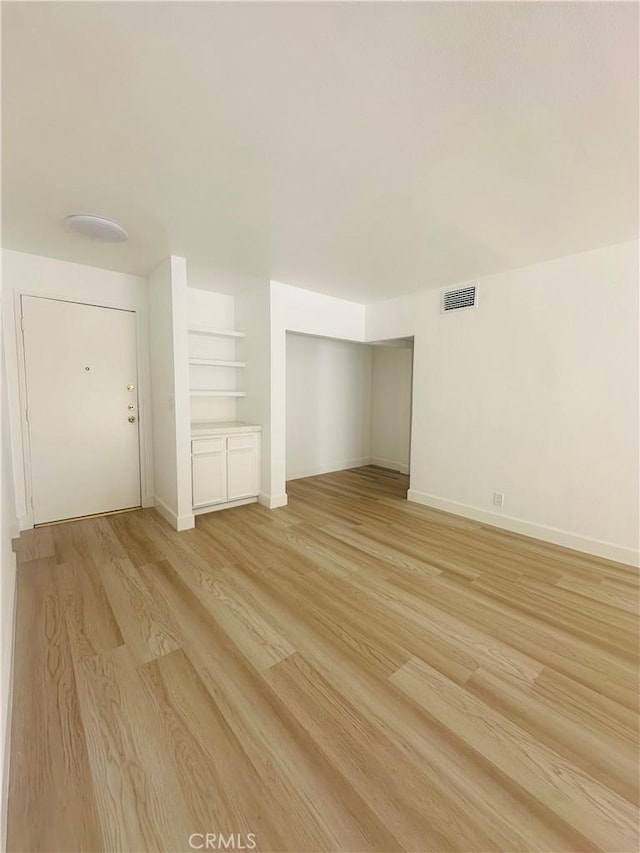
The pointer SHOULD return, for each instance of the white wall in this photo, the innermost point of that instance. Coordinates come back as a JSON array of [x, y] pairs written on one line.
[[168, 347], [39, 276], [391, 406], [328, 405], [534, 394], [296, 310]]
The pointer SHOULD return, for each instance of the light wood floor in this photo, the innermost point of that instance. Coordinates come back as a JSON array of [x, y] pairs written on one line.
[[350, 673]]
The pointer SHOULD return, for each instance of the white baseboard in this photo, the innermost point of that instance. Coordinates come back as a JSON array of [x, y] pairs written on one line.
[[329, 469], [272, 501], [25, 522], [178, 522], [202, 510], [168, 514], [148, 500], [8, 678], [403, 468], [608, 550]]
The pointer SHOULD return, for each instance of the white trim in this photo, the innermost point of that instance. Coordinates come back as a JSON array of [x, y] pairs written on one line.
[[201, 510], [403, 468], [273, 501], [186, 522], [608, 550], [6, 758], [168, 514], [178, 522], [329, 469]]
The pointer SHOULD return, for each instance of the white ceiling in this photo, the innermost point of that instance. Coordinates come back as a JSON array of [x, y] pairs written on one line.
[[359, 149]]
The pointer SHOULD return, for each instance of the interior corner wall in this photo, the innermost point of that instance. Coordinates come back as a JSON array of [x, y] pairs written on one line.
[[48, 277], [328, 405], [293, 309], [391, 379], [168, 346], [179, 299], [533, 394]]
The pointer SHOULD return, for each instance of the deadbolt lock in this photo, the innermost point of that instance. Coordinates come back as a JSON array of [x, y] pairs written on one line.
[[130, 387], [132, 419]]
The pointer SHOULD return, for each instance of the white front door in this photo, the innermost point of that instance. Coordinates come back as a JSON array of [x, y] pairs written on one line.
[[82, 408]]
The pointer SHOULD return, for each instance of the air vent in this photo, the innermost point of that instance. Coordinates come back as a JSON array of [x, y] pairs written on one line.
[[461, 297]]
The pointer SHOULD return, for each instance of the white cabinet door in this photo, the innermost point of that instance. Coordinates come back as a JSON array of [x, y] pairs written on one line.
[[209, 470], [242, 466]]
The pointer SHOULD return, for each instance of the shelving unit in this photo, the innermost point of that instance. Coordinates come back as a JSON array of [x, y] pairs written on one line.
[[205, 392], [220, 333], [201, 361], [216, 362], [215, 358]]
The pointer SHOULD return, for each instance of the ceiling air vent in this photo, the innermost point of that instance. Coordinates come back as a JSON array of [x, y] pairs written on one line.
[[461, 297]]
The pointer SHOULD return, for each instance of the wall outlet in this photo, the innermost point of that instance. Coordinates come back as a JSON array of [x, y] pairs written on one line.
[[498, 499]]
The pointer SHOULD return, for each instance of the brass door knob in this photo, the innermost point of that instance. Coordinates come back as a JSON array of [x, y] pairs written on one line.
[[132, 419], [130, 387]]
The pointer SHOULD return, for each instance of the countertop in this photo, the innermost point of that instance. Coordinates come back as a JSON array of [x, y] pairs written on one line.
[[198, 430]]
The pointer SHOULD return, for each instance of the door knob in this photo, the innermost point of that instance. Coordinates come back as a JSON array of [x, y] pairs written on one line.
[[130, 406], [132, 419], [130, 387]]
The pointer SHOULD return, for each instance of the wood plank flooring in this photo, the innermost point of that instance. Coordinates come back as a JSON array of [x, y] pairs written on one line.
[[349, 673]]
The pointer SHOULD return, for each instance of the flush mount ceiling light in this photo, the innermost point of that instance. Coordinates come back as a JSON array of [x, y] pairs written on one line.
[[96, 226]]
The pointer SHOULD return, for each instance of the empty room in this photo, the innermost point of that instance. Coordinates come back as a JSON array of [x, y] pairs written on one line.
[[320, 427]]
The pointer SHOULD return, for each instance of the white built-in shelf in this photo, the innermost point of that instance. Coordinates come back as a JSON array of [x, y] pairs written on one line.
[[216, 362], [221, 333], [205, 392]]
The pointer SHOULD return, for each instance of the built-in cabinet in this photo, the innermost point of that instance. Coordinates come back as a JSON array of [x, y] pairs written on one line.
[[225, 452], [225, 461]]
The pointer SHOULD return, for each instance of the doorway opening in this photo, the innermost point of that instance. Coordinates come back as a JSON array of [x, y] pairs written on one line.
[[349, 408]]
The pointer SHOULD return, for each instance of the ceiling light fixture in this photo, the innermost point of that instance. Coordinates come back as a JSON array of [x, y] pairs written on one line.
[[97, 227]]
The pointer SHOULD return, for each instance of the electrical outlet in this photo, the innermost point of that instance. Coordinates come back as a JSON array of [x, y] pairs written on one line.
[[498, 499]]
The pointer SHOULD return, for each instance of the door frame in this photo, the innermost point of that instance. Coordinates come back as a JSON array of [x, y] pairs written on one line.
[[144, 391]]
